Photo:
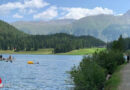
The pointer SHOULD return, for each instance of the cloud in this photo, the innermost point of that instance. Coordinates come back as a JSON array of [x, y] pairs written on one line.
[[6, 8], [31, 11], [77, 13], [34, 4], [17, 16], [49, 14], [32, 8], [121, 14]]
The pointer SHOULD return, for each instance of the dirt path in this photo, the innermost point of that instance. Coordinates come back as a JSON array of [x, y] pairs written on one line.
[[125, 83]]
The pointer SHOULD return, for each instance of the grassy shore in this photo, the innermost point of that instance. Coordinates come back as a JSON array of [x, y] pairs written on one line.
[[40, 51], [84, 51], [115, 80]]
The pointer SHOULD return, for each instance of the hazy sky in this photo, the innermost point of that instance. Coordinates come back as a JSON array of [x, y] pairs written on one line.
[[29, 10]]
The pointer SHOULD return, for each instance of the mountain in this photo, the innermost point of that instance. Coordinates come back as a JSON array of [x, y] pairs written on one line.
[[100, 25], [127, 13], [105, 27], [44, 27]]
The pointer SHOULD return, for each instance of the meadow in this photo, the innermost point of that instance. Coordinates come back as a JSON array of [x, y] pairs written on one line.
[[84, 51]]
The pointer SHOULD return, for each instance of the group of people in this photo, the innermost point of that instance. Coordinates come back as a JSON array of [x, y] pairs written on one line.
[[6, 59]]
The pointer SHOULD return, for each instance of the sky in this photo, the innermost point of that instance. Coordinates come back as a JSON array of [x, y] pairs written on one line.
[[37, 10]]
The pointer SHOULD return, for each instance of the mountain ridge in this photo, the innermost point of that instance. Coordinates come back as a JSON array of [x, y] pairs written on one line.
[[97, 26]]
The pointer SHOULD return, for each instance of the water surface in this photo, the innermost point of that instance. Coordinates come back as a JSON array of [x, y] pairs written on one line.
[[49, 74]]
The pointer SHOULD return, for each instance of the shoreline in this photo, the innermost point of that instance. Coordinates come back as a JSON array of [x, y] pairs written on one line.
[[116, 79], [84, 51]]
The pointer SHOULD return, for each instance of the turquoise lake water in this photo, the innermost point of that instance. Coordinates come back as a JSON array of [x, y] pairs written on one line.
[[49, 74]]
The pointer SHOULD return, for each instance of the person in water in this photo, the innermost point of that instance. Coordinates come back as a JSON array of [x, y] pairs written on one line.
[[10, 58], [37, 63], [0, 57]]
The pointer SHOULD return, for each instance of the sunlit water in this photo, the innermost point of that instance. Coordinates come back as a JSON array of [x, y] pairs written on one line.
[[49, 74]]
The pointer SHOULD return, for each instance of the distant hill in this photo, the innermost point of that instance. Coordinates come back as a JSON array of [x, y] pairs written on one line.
[[7, 31], [9, 36], [105, 27], [44, 27], [13, 39]]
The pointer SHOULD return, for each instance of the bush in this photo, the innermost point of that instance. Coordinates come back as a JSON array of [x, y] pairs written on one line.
[[109, 60], [88, 76], [91, 73], [119, 58]]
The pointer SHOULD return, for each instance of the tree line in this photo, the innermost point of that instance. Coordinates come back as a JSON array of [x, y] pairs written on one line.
[[60, 42], [122, 44]]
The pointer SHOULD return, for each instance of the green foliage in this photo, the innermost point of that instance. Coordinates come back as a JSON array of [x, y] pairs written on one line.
[[122, 44], [60, 42], [88, 76], [119, 44], [91, 73], [109, 60]]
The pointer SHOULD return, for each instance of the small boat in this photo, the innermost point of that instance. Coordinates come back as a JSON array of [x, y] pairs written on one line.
[[30, 62]]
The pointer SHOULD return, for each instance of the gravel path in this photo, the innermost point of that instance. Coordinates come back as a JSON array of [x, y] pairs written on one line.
[[125, 83]]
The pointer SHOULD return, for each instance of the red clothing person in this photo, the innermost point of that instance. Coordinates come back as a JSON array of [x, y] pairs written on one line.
[[1, 85]]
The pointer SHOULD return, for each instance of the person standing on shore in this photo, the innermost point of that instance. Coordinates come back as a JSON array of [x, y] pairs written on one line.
[[128, 58]]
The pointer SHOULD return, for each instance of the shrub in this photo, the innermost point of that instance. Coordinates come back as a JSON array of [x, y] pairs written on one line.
[[119, 58], [88, 75], [109, 60]]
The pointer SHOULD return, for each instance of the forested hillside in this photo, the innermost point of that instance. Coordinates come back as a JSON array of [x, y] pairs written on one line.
[[60, 42], [7, 31], [8, 35], [12, 39]]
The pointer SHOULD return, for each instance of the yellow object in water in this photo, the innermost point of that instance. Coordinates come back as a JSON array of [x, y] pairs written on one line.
[[30, 62]]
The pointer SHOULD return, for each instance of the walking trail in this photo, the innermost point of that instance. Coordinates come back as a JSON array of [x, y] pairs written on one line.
[[125, 83]]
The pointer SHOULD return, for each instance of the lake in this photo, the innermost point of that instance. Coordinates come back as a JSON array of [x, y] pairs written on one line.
[[49, 74]]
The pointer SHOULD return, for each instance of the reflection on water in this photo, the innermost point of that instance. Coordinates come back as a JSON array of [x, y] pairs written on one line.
[[49, 74]]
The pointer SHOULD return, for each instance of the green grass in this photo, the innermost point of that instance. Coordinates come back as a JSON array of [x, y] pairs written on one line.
[[84, 51], [114, 81], [40, 51]]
